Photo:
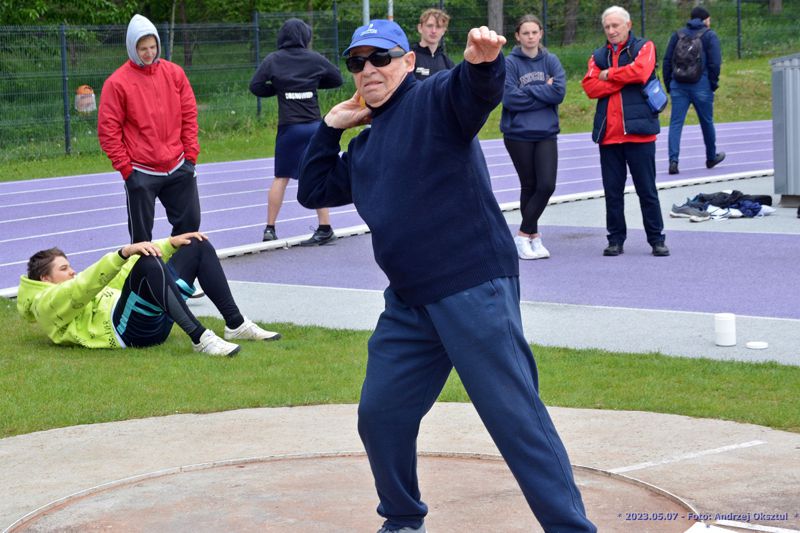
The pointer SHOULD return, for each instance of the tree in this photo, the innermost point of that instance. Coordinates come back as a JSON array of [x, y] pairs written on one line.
[[495, 16], [775, 7]]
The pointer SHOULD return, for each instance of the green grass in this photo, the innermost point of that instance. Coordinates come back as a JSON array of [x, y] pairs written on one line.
[[744, 94], [44, 386]]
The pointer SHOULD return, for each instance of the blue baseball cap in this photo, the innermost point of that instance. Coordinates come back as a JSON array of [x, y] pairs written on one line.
[[379, 33]]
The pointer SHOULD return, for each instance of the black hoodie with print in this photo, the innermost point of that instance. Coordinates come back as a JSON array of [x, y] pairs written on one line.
[[294, 73]]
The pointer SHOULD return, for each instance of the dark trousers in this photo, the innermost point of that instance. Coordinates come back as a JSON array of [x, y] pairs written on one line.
[[536, 163], [154, 295], [178, 195], [640, 158], [479, 332]]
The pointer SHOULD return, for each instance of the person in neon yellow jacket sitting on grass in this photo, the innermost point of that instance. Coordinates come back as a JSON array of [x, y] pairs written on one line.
[[131, 297]]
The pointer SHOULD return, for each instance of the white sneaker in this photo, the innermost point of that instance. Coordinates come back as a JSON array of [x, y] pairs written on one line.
[[250, 331], [211, 344], [539, 251], [524, 250]]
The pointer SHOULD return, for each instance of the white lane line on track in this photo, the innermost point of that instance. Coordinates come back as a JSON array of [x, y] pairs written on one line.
[[208, 232], [685, 456]]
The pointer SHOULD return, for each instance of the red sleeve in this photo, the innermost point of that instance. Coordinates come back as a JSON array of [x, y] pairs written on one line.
[[593, 86], [638, 71], [110, 118], [191, 146]]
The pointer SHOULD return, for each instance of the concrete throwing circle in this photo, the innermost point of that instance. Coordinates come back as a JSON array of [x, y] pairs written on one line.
[[335, 493]]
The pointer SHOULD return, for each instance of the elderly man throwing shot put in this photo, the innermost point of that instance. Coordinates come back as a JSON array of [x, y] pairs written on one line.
[[419, 180]]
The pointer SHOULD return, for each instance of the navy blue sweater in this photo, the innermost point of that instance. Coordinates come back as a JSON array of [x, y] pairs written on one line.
[[530, 104], [419, 180]]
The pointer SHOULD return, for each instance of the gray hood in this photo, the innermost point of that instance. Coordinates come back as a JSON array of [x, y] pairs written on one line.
[[139, 27]]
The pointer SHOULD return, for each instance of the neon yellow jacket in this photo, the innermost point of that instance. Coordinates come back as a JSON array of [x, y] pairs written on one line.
[[79, 311]]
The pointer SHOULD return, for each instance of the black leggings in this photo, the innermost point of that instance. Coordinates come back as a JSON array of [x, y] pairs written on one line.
[[154, 295], [536, 163]]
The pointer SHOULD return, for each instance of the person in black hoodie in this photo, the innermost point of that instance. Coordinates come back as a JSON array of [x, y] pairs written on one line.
[[535, 84], [419, 180], [293, 73]]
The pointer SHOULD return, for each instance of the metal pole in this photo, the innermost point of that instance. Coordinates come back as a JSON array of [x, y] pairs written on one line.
[[544, 21], [257, 46], [390, 9], [166, 52], [644, 10], [64, 89], [739, 29], [336, 29], [365, 11]]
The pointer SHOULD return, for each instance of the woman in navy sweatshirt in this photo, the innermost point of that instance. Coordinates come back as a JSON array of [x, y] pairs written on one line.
[[535, 85]]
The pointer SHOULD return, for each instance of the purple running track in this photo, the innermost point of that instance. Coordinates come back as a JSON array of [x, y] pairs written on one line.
[[85, 215], [708, 272]]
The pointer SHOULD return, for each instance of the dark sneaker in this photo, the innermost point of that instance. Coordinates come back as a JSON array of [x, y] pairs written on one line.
[[420, 529], [319, 237], [798, 211], [673, 167], [613, 250], [660, 250], [719, 158], [269, 235]]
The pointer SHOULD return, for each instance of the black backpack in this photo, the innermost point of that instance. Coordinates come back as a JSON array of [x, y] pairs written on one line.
[[687, 59]]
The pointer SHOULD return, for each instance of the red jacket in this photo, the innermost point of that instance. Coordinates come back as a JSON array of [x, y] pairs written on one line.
[[148, 118], [637, 72]]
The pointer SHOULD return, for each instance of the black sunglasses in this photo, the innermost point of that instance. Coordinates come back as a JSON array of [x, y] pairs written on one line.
[[378, 58]]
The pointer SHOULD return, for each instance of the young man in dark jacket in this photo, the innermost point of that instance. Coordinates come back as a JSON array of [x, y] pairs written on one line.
[[699, 93], [293, 73], [429, 53], [625, 128], [419, 180]]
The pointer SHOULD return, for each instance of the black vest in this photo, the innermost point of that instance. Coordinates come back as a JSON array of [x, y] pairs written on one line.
[[638, 117]]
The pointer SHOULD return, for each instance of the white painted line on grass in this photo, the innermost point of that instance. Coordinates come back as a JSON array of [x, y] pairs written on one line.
[[685, 456]]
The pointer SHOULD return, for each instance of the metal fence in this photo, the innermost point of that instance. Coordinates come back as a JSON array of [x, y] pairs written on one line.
[[42, 68]]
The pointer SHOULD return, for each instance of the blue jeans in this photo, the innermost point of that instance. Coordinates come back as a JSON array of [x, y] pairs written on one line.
[[479, 332], [701, 97], [615, 159]]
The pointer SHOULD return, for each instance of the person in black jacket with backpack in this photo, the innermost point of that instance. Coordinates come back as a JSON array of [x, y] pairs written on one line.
[[691, 69]]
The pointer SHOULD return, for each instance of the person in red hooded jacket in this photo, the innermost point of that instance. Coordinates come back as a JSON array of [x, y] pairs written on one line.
[[147, 125]]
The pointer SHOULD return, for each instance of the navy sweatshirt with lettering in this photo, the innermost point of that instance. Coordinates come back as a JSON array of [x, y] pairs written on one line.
[[419, 180], [294, 73]]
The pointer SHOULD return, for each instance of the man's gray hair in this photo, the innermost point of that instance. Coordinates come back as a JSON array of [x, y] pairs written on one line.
[[615, 10]]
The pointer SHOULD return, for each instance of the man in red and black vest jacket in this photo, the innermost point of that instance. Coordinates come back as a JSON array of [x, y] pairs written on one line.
[[626, 128]]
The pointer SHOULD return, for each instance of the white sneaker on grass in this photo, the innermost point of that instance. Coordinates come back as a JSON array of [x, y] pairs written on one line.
[[250, 331], [211, 344], [539, 251], [524, 250]]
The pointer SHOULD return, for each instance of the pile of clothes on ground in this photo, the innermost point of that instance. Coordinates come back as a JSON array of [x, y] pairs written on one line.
[[725, 204]]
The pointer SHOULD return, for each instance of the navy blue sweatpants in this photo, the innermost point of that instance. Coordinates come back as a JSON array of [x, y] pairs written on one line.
[[479, 332]]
